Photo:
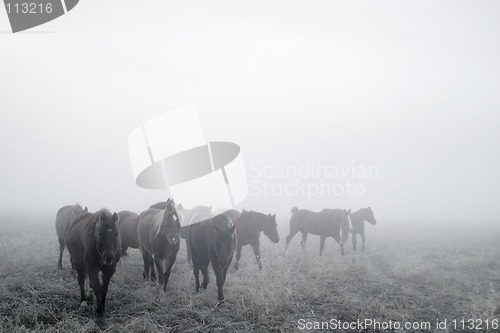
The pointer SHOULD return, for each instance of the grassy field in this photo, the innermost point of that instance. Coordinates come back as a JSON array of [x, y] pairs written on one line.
[[408, 275]]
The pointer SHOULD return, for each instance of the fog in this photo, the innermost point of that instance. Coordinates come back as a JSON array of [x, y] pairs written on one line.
[[403, 93]]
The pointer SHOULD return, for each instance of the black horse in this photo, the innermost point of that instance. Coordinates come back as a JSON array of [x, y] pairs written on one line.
[[158, 234], [212, 240], [63, 221], [94, 245]]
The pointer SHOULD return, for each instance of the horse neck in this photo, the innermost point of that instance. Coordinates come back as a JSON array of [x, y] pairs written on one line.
[[254, 218], [360, 215], [158, 222]]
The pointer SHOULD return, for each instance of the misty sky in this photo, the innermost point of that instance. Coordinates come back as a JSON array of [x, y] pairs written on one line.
[[409, 87]]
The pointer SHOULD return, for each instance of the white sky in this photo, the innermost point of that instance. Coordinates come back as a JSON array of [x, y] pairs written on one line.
[[409, 86]]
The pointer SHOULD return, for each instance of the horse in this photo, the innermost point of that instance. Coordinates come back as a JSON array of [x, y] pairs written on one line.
[[191, 216], [158, 232], [249, 224], [64, 217], [358, 226], [212, 240], [127, 227], [94, 245], [326, 223]]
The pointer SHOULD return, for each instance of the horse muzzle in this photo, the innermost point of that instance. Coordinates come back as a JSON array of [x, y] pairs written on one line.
[[108, 260]]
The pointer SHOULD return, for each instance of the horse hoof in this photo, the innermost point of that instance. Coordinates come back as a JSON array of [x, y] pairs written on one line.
[[100, 322]]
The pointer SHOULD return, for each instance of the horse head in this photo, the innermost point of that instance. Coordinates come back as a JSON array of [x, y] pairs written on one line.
[[172, 226], [270, 228], [224, 239], [369, 217], [108, 241]]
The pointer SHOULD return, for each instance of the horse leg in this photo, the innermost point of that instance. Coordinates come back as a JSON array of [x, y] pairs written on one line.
[[96, 284], [290, 236], [106, 276], [61, 250], [238, 255], [354, 240], [159, 269], [188, 250], [219, 278], [73, 269], [304, 238], [145, 259], [124, 250], [152, 268], [196, 272], [204, 271], [168, 264], [321, 244], [81, 283], [363, 240], [256, 252]]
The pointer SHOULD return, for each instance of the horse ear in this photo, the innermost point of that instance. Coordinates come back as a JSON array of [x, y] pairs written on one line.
[[210, 207], [115, 218], [274, 215], [349, 211], [179, 207], [85, 209]]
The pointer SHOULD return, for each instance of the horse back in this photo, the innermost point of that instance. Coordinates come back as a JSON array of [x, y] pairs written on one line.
[[233, 214], [127, 226], [197, 235], [77, 236], [247, 229], [307, 221], [64, 217], [145, 227]]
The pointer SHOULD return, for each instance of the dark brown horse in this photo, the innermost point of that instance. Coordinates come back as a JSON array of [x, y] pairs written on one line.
[[326, 223], [63, 221], [158, 233], [212, 240], [191, 216], [94, 246], [127, 226], [249, 224], [358, 224]]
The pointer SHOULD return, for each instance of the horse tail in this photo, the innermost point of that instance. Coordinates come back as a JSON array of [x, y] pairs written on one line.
[[294, 209]]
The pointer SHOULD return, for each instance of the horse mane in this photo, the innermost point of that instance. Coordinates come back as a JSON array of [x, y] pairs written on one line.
[[252, 214], [159, 205], [294, 209], [158, 221], [91, 226]]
